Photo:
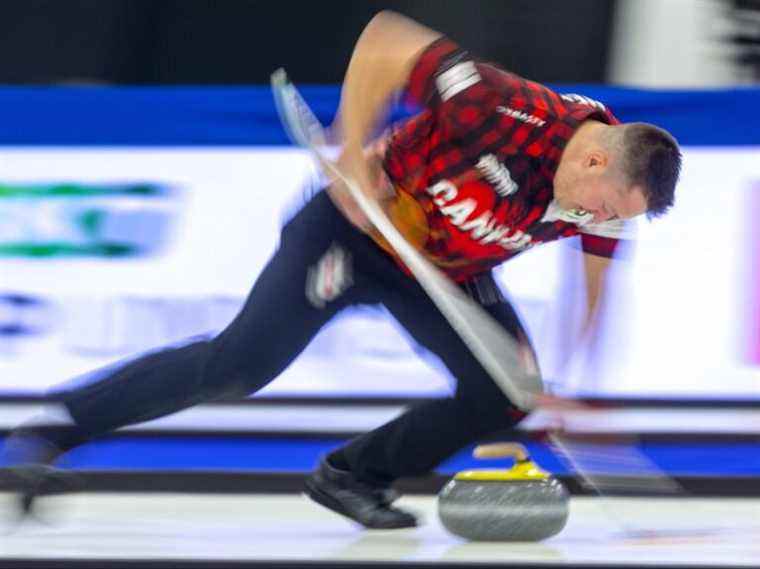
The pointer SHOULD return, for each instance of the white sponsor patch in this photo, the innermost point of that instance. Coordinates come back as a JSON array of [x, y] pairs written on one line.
[[457, 79], [332, 275]]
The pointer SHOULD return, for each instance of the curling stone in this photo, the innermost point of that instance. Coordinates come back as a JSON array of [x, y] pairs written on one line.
[[523, 503]]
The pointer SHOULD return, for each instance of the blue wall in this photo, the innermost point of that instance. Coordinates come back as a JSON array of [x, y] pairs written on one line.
[[236, 116]]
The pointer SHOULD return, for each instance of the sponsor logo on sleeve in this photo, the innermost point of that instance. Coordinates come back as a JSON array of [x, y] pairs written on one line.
[[456, 79], [520, 116]]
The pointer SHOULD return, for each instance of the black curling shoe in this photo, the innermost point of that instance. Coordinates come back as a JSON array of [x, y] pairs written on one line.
[[339, 491], [30, 473]]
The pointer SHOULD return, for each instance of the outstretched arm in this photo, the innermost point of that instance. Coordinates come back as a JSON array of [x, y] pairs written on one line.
[[595, 269]]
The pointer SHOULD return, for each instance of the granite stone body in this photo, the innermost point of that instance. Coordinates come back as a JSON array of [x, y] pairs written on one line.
[[513, 510]]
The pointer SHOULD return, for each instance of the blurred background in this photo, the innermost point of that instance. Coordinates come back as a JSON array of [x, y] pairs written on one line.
[[144, 177], [686, 43]]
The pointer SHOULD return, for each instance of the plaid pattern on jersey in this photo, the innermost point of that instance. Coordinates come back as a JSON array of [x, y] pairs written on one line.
[[479, 160]]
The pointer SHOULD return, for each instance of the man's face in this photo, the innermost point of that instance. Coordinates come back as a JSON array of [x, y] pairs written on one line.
[[604, 200], [594, 189]]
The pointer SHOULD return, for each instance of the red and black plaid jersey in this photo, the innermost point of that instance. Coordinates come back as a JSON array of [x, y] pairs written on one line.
[[474, 170]]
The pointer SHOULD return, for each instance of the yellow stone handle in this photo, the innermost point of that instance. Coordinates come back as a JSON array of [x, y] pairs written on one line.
[[501, 450]]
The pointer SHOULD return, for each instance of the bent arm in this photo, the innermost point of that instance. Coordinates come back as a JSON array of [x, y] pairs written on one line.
[[380, 65]]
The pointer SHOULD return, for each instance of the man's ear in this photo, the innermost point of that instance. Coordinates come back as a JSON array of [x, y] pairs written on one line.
[[596, 158]]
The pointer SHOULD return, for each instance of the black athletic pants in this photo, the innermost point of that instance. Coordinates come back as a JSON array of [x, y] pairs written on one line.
[[323, 265]]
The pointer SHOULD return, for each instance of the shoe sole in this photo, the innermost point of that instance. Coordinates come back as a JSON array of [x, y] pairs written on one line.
[[35, 481], [324, 499], [27, 484]]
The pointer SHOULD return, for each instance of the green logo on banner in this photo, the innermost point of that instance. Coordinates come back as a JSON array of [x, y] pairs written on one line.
[[84, 220]]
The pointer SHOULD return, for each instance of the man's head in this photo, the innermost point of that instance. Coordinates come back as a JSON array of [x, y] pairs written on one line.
[[618, 171]]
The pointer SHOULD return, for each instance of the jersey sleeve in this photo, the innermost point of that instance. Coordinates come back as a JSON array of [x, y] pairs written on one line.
[[449, 81], [599, 246], [604, 239]]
